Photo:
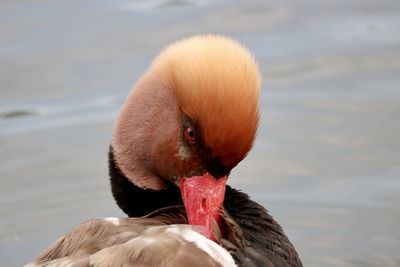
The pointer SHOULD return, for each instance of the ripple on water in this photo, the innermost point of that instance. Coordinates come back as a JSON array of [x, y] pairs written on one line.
[[17, 113]]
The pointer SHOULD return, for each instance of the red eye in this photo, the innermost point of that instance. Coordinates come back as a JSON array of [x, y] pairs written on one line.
[[190, 135]]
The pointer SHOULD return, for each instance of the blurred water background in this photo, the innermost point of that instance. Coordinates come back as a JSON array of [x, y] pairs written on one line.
[[326, 162]]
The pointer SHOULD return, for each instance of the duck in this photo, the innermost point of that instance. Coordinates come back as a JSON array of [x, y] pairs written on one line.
[[188, 121]]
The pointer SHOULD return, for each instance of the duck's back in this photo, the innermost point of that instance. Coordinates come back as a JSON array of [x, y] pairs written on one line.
[[159, 239]]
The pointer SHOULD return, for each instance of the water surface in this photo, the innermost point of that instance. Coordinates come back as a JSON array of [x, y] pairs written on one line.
[[326, 162]]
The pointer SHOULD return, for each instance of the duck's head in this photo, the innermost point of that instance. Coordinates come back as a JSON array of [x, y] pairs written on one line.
[[190, 118]]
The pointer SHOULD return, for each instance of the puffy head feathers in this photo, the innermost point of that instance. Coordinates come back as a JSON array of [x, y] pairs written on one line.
[[216, 83]]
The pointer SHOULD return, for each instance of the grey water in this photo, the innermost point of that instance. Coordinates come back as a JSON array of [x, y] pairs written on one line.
[[326, 163]]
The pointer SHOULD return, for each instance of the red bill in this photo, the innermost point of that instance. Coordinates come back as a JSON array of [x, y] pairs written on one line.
[[203, 197]]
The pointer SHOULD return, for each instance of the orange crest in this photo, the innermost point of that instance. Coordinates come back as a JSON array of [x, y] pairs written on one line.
[[216, 82]]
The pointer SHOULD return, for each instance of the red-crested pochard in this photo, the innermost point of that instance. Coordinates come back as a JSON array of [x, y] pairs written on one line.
[[189, 120]]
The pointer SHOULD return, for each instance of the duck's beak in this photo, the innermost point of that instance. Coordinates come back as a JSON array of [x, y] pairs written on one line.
[[203, 197]]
